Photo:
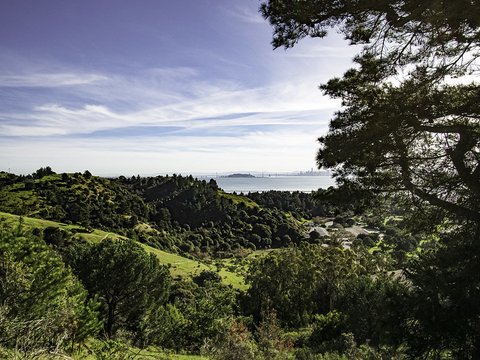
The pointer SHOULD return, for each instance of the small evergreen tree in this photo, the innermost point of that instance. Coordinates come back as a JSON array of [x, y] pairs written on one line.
[[127, 280]]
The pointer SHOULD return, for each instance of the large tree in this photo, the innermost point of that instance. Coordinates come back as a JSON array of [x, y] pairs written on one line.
[[410, 126], [43, 308], [405, 126], [129, 282], [298, 283], [444, 305]]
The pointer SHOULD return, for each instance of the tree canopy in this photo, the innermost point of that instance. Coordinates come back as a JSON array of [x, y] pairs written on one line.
[[432, 33], [127, 280], [43, 306], [405, 125], [409, 126]]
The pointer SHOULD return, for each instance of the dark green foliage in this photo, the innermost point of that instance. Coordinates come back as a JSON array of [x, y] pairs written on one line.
[[233, 342], [366, 240], [304, 286], [206, 276], [403, 126], [399, 145], [85, 200], [166, 327], [444, 307], [204, 220], [56, 236], [417, 32], [202, 307], [271, 339], [43, 307], [299, 283], [327, 332], [336, 298], [43, 172], [127, 280], [301, 204], [323, 202], [400, 241], [349, 198], [406, 129], [374, 308], [329, 291]]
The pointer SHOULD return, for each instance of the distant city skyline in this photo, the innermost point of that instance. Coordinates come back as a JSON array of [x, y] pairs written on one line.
[[151, 86]]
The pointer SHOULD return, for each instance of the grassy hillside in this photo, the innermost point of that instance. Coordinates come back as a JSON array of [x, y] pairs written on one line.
[[173, 213], [238, 199], [179, 266]]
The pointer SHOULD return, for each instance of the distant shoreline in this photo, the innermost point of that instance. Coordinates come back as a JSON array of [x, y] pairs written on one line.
[[239, 176], [275, 183], [258, 176]]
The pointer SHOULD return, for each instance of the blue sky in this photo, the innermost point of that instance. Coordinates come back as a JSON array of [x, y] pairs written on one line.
[[156, 86]]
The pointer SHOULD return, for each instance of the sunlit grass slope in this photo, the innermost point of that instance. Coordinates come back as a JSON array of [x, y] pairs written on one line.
[[179, 266]]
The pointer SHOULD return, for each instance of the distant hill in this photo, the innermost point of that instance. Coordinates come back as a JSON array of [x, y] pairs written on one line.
[[239, 176]]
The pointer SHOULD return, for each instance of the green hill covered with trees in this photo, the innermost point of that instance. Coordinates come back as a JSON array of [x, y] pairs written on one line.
[[81, 284], [175, 213]]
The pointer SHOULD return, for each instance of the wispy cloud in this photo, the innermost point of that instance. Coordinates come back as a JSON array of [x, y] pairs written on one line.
[[49, 80], [276, 151], [203, 106], [210, 126], [245, 14], [181, 72]]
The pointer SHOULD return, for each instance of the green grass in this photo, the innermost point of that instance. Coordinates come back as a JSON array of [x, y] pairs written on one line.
[[31, 223], [232, 278], [49, 178], [238, 266], [237, 199], [187, 357], [140, 354], [152, 354], [179, 266], [184, 267]]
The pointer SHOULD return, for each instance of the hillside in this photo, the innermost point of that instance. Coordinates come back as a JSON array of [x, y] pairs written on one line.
[[71, 198], [174, 213], [179, 266]]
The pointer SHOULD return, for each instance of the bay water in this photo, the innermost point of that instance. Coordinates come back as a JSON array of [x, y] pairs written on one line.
[[279, 183]]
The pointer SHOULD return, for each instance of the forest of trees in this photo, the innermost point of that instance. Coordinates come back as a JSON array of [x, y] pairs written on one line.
[[405, 151], [182, 214], [60, 294]]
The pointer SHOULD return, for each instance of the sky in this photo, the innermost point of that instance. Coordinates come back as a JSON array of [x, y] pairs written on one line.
[[155, 86]]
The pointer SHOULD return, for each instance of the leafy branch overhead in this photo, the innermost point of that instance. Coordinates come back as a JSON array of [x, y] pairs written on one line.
[[405, 125], [433, 33]]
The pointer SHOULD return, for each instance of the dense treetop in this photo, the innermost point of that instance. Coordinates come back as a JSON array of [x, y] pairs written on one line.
[[404, 127], [434, 34]]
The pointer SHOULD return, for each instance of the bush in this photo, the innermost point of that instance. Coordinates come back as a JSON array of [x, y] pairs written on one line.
[[234, 342]]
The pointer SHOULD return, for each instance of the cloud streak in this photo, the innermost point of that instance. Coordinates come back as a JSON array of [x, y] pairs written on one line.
[[47, 80], [218, 126], [273, 151], [207, 106], [245, 14]]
